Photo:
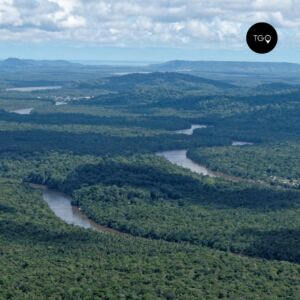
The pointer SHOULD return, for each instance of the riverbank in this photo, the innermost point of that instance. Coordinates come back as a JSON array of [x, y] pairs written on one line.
[[180, 158], [61, 205]]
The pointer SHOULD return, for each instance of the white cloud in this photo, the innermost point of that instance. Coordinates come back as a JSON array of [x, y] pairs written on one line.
[[9, 14], [273, 4], [196, 23]]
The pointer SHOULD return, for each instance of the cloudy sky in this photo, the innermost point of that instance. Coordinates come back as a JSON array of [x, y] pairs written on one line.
[[145, 30]]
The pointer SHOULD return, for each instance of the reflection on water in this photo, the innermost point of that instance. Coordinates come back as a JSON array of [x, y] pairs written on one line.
[[23, 111], [191, 130], [61, 205], [179, 158]]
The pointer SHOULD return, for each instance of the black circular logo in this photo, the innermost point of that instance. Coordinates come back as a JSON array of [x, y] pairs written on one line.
[[262, 38]]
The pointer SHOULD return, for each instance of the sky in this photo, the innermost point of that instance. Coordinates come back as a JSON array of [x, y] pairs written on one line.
[[143, 30]]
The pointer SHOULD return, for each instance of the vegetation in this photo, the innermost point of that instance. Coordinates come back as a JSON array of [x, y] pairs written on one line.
[[188, 236], [42, 258], [148, 197], [277, 164]]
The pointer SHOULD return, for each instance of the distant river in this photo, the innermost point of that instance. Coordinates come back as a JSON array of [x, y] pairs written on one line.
[[179, 158], [191, 130]]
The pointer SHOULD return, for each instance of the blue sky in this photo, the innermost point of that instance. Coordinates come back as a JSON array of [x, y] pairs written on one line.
[[141, 30]]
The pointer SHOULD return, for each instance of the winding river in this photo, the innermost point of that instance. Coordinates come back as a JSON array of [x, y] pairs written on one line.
[[62, 207], [179, 158]]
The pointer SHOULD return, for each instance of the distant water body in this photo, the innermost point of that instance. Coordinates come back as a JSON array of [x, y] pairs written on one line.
[[179, 158], [23, 111], [191, 130], [115, 63], [58, 103], [237, 144], [33, 88], [62, 207]]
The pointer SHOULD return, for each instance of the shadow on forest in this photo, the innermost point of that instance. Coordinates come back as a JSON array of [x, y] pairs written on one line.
[[28, 231], [276, 244], [180, 187], [151, 122], [92, 143], [6, 209]]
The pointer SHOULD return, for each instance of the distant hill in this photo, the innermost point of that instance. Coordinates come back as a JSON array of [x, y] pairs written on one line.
[[17, 63], [162, 79], [180, 66], [226, 67], [13, 62], [57, 70], [176, 75]]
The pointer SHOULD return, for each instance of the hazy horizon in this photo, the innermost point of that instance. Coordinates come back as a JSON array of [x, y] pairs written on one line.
[[139, 62]]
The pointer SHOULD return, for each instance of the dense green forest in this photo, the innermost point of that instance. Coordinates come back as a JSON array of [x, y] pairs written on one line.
[[146, 196], [43, 258], [277, 164], [181, 235]]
